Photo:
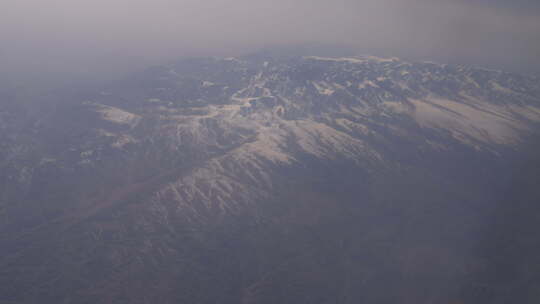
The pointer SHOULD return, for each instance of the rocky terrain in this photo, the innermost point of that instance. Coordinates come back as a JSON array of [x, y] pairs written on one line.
[[275, 179]]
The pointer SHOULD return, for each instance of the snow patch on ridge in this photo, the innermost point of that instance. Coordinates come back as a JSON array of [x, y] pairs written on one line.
[[117, 115], [336, 59], [464, 121]]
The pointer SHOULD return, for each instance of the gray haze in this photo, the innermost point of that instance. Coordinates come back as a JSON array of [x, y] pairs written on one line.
[[65, 39]]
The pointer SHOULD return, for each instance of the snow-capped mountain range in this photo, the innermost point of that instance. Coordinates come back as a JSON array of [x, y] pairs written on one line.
[[158, 155]]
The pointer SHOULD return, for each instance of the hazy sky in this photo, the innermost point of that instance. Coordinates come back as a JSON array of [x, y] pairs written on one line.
[[64, 38]]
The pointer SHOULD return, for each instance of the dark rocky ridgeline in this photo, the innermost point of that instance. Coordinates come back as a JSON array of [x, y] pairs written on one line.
[[275, 179]]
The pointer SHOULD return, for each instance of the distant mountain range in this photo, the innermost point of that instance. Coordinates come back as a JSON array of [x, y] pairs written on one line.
[[276, 179]]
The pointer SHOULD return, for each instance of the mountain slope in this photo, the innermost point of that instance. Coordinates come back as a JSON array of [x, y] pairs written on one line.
[[272, 179]]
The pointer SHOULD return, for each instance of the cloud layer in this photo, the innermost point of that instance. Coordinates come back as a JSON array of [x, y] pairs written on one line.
[[76, 37]]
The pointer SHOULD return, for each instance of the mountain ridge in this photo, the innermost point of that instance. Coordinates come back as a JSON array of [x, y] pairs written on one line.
[[342, 168]]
